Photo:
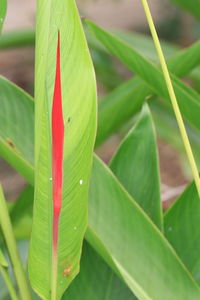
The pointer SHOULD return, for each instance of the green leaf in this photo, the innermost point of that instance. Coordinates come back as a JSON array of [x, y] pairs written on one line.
[[167, 129], [8, 283], [131, 95], [151, 74], [105, 69], [161, 259], [192, 6], [16, 128], [59, 222], [96, 280], [184, 61], [182, 231], [144, 44], [21, 213], [22, 204], [135, 164], [8, 234], [3, 9], [7, 280], [129, 242], [136, 247]]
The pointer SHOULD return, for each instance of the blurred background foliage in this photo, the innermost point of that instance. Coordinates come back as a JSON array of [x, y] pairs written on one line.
[[178, 26]]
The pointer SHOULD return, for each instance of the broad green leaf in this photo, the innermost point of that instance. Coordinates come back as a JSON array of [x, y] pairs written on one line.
[[96, 280], [130, 94], [192, 6], [135, 164], [182, 230], [103, 63], [151, 74], [143, 250], [137, 248], [131, 244], [3, 9], [60, 206], [130, 282], [16, 124]]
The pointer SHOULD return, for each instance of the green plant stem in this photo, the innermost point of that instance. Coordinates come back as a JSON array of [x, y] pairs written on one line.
[[172, 95], [9, 283], [12, 248]]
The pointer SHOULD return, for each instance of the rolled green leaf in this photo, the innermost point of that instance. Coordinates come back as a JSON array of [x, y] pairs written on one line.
[[65, 126]]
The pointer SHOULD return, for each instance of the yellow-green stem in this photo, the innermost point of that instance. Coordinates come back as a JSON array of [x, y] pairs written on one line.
[[7, 230], [172, 96], [9, 283]]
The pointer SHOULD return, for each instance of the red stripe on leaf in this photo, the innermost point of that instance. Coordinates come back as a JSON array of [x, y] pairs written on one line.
[[57, 148]]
